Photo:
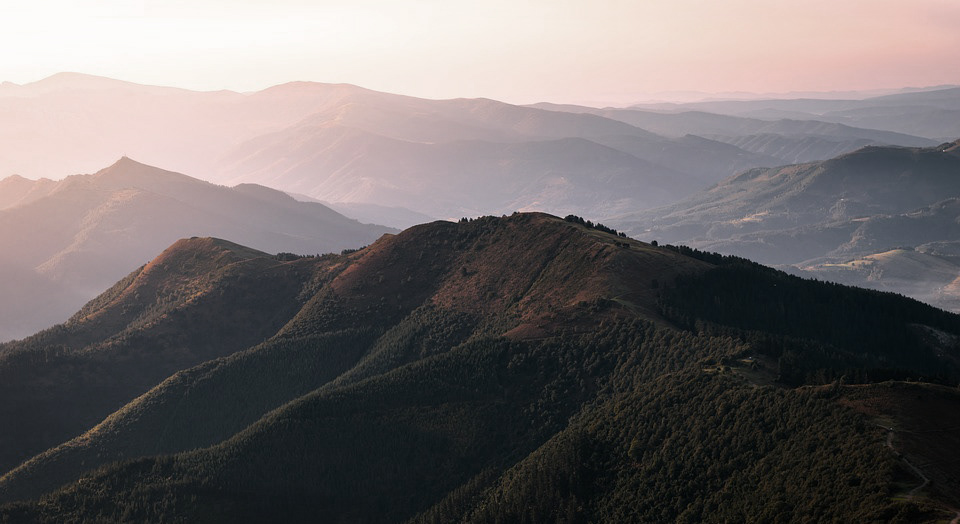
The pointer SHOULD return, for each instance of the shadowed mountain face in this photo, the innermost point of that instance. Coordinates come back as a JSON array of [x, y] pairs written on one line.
[[66, 241], [822, 217], [479, 371]]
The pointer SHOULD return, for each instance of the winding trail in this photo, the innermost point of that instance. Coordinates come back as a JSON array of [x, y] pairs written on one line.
[[913, 492]]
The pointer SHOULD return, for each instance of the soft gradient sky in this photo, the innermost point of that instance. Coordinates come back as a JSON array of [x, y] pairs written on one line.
[[513, 50]]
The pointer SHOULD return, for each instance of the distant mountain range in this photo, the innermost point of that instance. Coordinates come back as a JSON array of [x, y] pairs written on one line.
[[788, 140], [66, 241], [376, 152], [928, 113], [879, 217], [492, 370]]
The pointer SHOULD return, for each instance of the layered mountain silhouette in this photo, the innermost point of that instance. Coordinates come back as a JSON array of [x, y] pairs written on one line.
[[374, 151], [788, 140], [389, 150], [878, 217], [66, 241], [930, 113], [467, 178], [497, 369]]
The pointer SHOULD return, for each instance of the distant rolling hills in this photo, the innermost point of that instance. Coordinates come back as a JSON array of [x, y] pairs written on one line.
[[788, 140], [66, 241], [879, 217], [496, 369], [466, 178], [372, 151], [930, 113]]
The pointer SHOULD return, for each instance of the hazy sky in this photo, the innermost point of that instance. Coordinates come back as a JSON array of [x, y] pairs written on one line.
[[513, 50]]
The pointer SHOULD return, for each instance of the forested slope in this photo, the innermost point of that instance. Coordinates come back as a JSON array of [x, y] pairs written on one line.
[[521, 369]]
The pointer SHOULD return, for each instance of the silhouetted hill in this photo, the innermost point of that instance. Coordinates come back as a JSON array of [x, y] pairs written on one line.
[[488, 370], [75, 237]]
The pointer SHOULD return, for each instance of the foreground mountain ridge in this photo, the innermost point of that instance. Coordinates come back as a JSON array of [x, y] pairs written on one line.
[[433, 266], [481, 371]]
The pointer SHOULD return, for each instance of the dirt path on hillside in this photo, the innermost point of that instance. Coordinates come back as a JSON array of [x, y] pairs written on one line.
[[913, 492]]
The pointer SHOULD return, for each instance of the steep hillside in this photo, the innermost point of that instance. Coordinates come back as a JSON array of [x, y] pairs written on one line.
[[143, 329], [465, 276], [77, 236], [507, 368]]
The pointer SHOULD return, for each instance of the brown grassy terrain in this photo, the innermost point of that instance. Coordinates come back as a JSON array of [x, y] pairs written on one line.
[[525, 275]]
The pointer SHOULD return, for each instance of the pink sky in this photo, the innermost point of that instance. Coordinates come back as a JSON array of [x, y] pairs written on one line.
[[612, 51]]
